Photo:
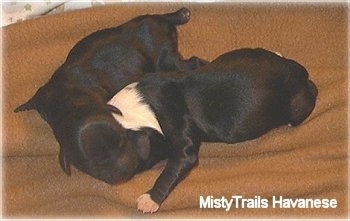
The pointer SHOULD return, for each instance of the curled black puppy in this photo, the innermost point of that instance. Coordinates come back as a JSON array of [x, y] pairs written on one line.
[[73, 101], [239, 96]]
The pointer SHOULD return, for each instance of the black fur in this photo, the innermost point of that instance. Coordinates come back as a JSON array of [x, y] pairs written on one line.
[[239, 96], [73, 101]]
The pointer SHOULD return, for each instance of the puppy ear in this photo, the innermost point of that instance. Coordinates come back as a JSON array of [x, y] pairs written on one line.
[[43, 94], [64, 163], [29, 105], [302, 104], [114, 109], [141, 143]]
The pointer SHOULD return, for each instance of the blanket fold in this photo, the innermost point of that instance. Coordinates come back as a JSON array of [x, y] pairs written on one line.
[[308, 161]]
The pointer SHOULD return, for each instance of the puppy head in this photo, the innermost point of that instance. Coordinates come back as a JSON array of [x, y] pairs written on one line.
[[89, 136], [109, 141], [100, 147], [303, 94], [302, 103]]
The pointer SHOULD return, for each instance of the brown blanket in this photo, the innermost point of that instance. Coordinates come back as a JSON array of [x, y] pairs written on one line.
[[308, 161]]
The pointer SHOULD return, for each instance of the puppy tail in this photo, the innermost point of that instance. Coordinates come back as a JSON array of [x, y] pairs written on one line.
[[179, 17]]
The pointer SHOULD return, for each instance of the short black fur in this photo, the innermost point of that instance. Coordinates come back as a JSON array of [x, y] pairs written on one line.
[[73, 101], [239, 96]]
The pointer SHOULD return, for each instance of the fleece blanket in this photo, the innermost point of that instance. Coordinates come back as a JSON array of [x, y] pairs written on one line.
[[289, 164], [14, 11]]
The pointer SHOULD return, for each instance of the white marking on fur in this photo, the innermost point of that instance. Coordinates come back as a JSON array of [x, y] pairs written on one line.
[[136, 113], [146, 205], [279, 54]]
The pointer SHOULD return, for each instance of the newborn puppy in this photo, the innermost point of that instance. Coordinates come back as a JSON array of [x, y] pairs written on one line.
[[239, 96], [73, 101]]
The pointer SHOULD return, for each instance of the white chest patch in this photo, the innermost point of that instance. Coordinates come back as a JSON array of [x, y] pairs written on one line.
[[136, 113]]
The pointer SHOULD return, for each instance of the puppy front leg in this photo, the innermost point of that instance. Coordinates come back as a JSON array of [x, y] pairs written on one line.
[[175, 170]]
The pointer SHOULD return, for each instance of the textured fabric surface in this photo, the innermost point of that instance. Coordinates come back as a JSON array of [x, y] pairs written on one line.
[[308, 161], [17, 11]]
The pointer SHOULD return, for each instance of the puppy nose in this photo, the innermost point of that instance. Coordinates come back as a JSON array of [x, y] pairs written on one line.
[[313, 89]]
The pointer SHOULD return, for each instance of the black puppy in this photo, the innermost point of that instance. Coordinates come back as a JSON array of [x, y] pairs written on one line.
[[97, 67], [239, 96]]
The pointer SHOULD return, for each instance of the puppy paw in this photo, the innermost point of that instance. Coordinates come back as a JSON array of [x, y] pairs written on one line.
[[183, 16], [146, 205], [186, 14]]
